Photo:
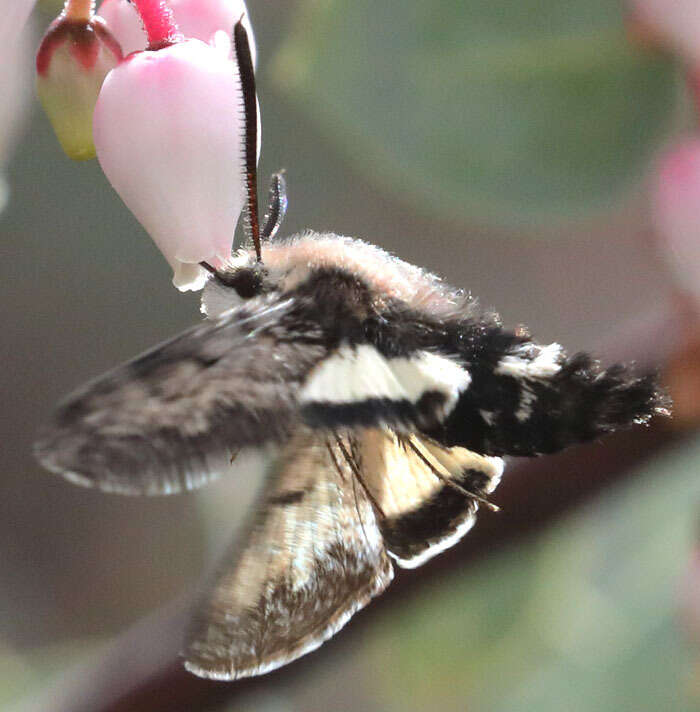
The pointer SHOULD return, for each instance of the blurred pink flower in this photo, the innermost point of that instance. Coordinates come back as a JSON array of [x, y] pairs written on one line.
[[15, 77], [168, 132], [676, 212], [677, 22], [14, 18], [200, 19]]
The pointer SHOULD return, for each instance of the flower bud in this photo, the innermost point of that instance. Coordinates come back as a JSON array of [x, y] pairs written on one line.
[[169, 131], [676, 212], [200, 19], [71, 64]]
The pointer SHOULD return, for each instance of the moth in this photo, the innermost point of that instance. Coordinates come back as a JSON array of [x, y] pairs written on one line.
[[386, 398]]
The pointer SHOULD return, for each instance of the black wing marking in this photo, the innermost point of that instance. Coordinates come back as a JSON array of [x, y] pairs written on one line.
[[172, 418], [314, 557], [532, 400], [427, 495]]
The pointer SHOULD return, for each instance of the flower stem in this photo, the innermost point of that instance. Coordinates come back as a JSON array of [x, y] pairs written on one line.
[[79, 10], [159, 23]]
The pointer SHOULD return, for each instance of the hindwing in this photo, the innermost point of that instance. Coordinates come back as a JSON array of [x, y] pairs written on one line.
[[314, 556]]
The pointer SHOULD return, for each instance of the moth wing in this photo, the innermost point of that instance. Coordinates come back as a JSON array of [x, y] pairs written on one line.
[[172, 418], [358, 386], [428, 495], [313, 557]]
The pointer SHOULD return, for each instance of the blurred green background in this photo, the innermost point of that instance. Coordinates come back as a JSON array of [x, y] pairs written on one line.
[[503, 144]]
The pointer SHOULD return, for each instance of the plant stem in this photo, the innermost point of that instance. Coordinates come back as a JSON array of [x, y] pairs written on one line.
[[159, 23], [79, 10]]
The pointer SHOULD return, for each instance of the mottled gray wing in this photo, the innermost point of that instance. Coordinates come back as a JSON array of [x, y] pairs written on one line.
[[313, 557], [172, 418]]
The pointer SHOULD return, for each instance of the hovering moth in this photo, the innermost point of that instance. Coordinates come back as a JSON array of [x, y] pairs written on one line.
[[386, 398]]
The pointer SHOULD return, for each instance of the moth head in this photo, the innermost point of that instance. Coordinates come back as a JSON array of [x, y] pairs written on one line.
[[242, 278], [246, 280]]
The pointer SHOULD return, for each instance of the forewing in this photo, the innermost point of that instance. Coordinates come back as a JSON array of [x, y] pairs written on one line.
[[358, 386], [313, 557], [428, 495], [172, 418]]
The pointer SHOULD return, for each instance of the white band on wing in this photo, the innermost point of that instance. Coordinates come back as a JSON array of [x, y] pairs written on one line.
[[360, 373]]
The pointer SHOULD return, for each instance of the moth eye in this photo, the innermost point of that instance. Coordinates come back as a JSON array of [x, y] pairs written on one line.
[[247, 283]]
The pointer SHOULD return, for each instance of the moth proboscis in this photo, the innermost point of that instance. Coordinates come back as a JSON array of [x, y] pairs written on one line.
[[387, 398]]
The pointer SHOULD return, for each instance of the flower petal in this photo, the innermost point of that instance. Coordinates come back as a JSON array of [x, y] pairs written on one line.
[[124, 23], [168, 131], [200, 19], [15, 79], [676, 212]]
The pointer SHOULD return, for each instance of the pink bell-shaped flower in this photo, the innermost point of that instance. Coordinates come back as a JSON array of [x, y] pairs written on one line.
[[676, 212], [168, 131], [200, 19], [124, 23], [73, 59]]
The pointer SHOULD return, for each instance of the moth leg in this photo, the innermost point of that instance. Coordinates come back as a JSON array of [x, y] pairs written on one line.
[[463, 488], [357, 473], [334, 460]]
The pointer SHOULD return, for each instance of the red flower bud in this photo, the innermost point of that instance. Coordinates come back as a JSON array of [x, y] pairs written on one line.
[[73, 60]]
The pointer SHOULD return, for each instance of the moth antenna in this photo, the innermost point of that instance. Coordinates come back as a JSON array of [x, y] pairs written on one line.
[[357, 509], [250, 138], [276, 207]]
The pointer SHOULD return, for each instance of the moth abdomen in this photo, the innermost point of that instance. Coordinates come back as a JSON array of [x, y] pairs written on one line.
[[516, 412]]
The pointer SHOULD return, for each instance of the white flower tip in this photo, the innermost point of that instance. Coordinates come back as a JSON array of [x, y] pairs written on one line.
[[221, 42], [189, 277]]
